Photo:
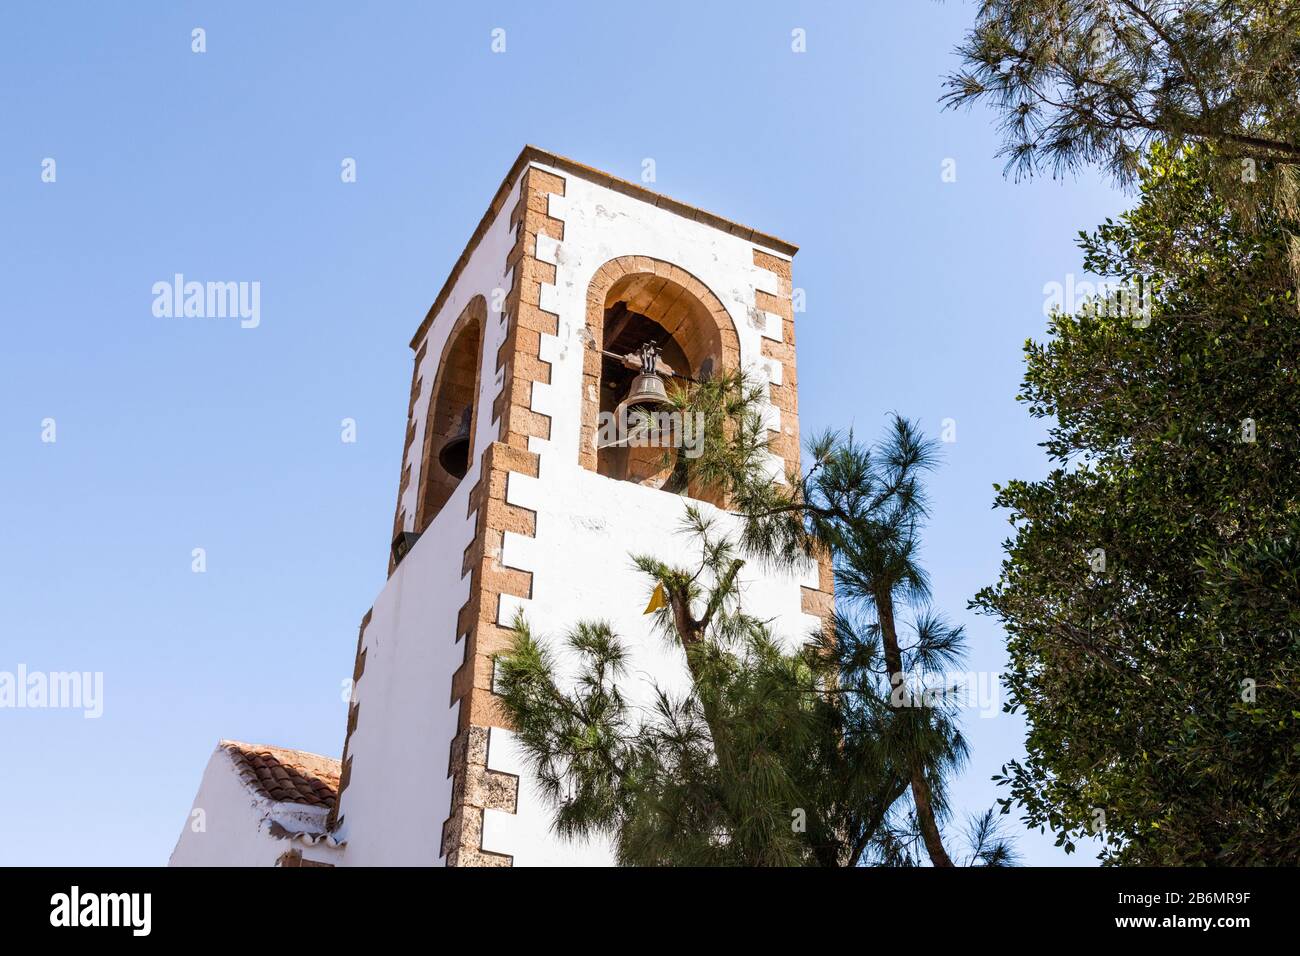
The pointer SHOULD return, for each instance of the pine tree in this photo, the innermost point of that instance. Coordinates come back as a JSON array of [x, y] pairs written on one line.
[[773, 757], [1100, 81]]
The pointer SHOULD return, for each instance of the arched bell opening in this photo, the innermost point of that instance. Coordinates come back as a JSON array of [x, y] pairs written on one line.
[[452, 414], [666, 319]]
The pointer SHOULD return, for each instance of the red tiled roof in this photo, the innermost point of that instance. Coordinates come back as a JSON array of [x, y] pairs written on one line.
[[287, 776]]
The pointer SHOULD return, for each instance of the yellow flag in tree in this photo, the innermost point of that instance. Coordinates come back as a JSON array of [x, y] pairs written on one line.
[[657, 600]]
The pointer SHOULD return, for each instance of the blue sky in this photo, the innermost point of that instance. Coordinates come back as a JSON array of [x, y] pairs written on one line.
[[174, 434]]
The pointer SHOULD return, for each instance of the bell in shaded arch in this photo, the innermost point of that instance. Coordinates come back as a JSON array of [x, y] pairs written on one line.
[[454, 456]]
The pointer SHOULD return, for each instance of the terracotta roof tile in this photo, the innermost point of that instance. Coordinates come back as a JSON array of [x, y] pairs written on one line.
[[288, 776]]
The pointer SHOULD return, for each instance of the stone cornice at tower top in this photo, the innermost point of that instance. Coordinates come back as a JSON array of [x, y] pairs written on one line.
[[533, 154]]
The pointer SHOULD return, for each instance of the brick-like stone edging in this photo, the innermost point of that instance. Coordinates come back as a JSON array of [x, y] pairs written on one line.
[[399, 513], [334, 820], [518, 359], [785, 395], [475, 788]]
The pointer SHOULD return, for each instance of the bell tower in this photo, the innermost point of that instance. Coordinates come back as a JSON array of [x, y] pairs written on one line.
[[575, 290]]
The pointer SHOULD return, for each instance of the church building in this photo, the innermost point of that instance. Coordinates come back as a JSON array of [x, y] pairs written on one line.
[[573, 287]]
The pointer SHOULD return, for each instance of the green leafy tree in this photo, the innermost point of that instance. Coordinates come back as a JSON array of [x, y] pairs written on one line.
[[772, 757], [1149, 592], [1080, 82]]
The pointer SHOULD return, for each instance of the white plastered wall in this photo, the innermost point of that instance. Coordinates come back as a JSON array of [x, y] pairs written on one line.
[[399, 793], [587, 525]]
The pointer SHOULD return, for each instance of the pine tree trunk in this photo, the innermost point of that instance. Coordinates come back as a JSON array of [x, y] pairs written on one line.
[[920, 786], [925, 817]]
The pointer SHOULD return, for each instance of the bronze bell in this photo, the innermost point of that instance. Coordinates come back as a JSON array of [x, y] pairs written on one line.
[[647, 389], [454, 456]]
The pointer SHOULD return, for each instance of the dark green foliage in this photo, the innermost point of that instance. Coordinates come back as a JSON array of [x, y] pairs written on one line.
[[1137, 680], [1079, 82]]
